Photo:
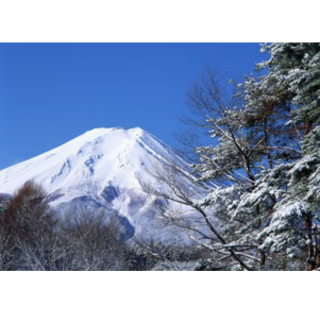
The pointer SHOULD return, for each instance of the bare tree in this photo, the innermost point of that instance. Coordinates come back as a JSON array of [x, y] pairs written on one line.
[[30, 241], [6, 250], [93, 241], [33, 238]]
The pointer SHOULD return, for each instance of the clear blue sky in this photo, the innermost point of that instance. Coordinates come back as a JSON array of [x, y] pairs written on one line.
[[51, 93]]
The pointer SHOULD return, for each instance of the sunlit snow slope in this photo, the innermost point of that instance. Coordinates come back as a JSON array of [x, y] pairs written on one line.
[[100, 170]]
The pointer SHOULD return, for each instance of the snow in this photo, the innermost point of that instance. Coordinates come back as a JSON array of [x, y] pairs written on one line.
[[101, 169], [283, 228]]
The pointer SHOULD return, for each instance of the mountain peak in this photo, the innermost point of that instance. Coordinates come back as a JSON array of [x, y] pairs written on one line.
[[132, 133], [103, 130], [97, 156], [102, 169]]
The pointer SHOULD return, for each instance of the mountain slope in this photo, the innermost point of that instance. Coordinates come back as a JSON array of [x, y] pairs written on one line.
[[100, 170]]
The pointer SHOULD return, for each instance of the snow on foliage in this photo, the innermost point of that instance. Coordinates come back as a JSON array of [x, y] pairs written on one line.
[[266, 158], [282, 234]]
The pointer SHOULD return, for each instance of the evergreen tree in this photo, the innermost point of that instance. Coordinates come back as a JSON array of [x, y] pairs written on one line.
[[266, 112], [296, 68], [263, 166]]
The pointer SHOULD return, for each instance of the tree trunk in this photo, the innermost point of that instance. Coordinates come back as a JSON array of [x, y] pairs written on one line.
[[308, 127], [311, 261]]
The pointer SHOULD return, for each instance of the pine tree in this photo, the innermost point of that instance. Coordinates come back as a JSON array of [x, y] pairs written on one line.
[[296, 67], [273, 216], [257, 203], [266, 112]]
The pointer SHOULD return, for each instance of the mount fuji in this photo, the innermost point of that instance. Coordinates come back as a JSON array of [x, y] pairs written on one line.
[[102, 170]]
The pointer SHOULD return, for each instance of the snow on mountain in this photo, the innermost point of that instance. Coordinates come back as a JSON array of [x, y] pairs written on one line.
[[100, 170]]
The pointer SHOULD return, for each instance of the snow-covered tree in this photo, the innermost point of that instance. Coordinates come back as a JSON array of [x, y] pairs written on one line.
[[280, 214], [296, 68], [235, 152], [266, 112], [262, 170]]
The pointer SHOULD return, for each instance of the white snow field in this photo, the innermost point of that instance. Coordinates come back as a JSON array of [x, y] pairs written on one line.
[[101, 170]]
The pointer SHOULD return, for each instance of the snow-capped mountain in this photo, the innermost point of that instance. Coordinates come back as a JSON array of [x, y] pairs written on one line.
[[100, 170]]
